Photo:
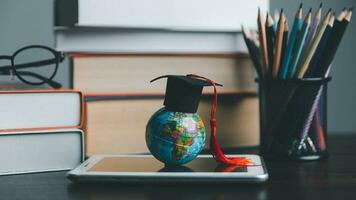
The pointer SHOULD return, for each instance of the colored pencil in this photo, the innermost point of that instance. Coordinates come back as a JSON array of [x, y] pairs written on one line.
[[320, 49], [254, 39], [271, 36], [291, 42], [332, 45], [263, 42], [252, 50], [284, 43], [275, 19], [303, 66], [276, 15], [313, 28], [346, 21], [307, 51], [278, 46], [299, 45], [342, 14], [319, 133]]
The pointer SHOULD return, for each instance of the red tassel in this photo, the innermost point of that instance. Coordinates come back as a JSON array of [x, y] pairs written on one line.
[[217, 152]]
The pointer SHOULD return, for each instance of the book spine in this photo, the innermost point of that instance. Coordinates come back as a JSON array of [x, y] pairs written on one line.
[[118, 96], [75, 126], [48, 144]]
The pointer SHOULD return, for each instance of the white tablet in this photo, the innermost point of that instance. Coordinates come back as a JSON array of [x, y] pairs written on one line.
[[145, 168]]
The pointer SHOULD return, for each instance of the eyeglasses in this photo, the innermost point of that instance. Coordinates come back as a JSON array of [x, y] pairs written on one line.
[[34, 65]]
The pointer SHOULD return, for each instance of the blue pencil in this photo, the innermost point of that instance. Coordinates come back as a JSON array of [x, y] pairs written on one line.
[[292, 39], [299, 45]]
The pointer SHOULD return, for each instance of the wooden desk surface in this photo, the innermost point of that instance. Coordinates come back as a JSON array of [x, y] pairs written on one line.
[[334, 178]]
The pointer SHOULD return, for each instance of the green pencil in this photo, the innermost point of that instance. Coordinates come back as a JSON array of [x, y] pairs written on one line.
[[291, 42]]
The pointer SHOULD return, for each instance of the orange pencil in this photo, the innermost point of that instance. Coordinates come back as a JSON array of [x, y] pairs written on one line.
[[279, 43]]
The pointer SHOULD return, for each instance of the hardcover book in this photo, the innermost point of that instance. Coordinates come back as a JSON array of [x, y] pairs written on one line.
[[41, 109], [40, 151], [131, 74], [110, 40], [222, 15], [116, 125]]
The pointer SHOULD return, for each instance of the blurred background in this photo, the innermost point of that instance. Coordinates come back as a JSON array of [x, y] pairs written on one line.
[[24, 22]]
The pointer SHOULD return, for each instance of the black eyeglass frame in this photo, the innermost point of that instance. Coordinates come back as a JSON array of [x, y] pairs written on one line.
[[58, 57]]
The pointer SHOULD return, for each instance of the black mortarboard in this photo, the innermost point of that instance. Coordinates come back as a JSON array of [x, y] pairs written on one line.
[[183, 92]]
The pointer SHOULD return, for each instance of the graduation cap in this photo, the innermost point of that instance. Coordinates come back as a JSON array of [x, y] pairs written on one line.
[[183, 92]]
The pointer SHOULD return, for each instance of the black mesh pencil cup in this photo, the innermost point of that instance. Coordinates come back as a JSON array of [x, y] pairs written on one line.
[[293, 119]]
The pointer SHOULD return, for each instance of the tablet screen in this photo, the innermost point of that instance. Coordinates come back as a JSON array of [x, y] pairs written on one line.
[[149, 164]]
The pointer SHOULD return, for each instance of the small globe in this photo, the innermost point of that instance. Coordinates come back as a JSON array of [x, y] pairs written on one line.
[[175, 138]]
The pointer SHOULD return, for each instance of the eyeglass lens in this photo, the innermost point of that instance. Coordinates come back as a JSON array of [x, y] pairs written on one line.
[[35, 61]]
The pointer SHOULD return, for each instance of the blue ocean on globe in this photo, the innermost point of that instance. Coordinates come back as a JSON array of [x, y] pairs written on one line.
[[175, 138]]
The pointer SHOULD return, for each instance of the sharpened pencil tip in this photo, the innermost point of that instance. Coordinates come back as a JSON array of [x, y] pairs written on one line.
[[269, 20], [331, 20], [301, 5], [299, 12], [351, 8], [329, 10], [333, 15], [244, 32], [318, 12], [308, 16], [344, 9], [280, 15]]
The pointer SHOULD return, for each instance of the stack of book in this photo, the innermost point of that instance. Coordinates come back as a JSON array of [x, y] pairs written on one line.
[[40, 131], [115, 53], [120, 98]]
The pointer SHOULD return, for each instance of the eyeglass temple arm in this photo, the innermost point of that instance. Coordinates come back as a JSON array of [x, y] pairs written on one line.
[[27, 65], [8, 67], [35, 64], [52, 83], [59, 58], [5, 57]]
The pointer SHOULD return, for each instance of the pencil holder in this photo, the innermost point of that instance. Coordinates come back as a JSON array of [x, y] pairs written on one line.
[[293, 119]]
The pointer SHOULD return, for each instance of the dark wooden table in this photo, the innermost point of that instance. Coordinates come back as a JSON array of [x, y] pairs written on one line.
[[334, 178]]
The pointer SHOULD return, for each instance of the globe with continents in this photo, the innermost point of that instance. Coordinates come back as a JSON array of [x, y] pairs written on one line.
[[175, 138]]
